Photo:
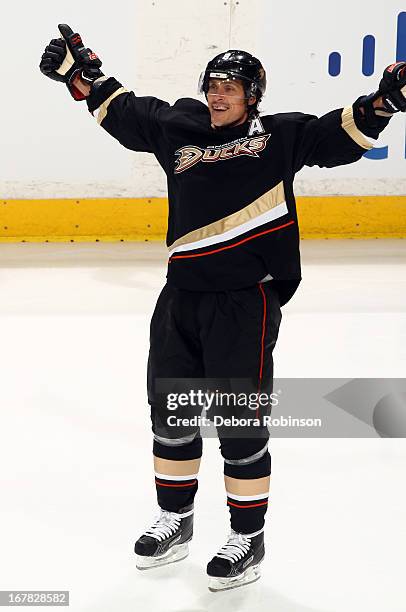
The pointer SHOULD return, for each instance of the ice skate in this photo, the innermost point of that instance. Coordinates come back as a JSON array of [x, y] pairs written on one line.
[[237, 562], [166, 541]]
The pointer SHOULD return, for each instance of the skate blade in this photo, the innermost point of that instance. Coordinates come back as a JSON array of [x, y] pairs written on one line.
[[176, 553], [252, 574]]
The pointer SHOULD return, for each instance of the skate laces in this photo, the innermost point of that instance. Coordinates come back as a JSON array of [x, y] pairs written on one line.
[[165, 526], [236, 547]]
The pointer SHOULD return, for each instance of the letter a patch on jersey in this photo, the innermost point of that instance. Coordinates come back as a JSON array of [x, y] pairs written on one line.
[[255, 127]]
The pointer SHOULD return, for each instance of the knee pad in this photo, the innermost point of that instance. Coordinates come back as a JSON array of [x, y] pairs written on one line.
[[241, 462], [178, 449]]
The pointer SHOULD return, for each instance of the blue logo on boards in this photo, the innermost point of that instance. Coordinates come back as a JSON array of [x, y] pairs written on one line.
[[368, 68]]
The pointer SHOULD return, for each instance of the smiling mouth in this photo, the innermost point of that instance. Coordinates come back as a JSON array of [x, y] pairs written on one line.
[[220, 108]]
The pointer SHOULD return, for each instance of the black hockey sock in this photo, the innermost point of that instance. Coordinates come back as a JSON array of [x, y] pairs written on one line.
[[175, 492], [247, 511]]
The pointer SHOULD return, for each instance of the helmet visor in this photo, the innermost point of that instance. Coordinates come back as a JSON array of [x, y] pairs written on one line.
[[209, 81]]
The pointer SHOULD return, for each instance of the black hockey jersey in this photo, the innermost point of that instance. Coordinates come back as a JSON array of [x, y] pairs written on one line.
[[232, 213]]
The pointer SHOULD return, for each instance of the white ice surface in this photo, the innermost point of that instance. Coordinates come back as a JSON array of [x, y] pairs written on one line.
[[75, 449]]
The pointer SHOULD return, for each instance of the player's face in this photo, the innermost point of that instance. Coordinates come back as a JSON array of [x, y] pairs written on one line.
[[227, 102]]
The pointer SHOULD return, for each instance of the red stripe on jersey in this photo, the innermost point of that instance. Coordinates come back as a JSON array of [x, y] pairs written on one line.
[[231, 246]]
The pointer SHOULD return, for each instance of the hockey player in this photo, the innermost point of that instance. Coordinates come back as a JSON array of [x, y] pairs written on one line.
[[233, 243]]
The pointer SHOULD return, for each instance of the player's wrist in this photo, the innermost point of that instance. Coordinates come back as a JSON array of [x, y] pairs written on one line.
[[378, 107], [378, 103], [81, 85]]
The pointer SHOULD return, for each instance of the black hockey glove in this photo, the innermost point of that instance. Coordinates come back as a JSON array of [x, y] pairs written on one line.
[[392, 89], [66, 58]]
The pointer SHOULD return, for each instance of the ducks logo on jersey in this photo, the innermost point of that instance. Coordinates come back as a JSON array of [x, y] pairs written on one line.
[[191, 155]]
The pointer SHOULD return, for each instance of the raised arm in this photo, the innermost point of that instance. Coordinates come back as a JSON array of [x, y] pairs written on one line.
[[342, 136], [134, 121]]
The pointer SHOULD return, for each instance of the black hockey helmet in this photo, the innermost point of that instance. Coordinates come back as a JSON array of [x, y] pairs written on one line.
[[236, 65]]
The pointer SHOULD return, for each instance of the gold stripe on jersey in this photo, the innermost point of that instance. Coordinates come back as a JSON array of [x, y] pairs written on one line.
[[101, 112], [348, 124], [258, 207]]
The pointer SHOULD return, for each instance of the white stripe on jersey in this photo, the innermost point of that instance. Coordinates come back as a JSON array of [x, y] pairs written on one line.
[[270, 215]]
